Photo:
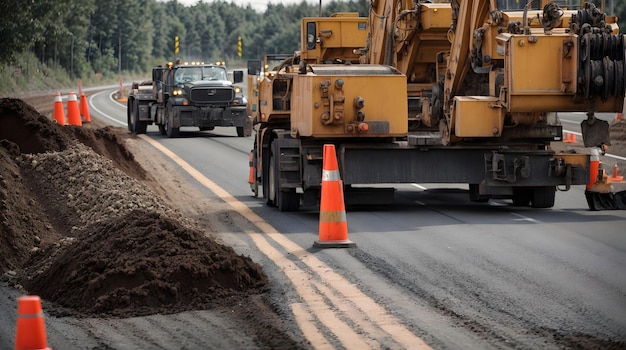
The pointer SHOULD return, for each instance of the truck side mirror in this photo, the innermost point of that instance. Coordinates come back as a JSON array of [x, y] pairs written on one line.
[[237, 76], [254, 67]]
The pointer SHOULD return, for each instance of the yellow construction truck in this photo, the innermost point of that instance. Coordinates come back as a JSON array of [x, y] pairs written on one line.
[[422, 92]]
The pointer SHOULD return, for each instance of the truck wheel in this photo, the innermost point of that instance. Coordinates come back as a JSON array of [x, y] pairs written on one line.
[[522, 196], [240, 131], [138, 126], [162, 129], [130, 110], [169, 130], [285, 200], [272, 183], [475, 194], [543, 196]]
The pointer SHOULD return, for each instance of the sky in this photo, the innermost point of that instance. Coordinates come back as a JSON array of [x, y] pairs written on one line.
[[258, 5]]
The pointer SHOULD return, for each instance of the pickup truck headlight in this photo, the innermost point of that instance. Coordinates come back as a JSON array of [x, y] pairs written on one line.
[[177, 92]]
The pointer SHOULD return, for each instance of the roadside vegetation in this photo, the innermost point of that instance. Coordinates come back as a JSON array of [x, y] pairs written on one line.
[[49, 44]]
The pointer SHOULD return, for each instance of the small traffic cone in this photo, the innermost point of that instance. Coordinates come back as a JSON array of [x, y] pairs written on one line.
[[572, 138], [616, 176], [73, 112], [59, 115], [31, 329], [84, 109], [333, 227], [618, 117]]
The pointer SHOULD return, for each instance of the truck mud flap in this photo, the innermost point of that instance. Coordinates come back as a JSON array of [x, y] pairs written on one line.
[[606, 200], [595, 132]]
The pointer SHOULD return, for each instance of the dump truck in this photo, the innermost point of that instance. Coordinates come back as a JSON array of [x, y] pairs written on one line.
[[188, 94], [422, 92]]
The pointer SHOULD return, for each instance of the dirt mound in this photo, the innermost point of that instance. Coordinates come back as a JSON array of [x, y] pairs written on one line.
[[144, 263], [92, 238]]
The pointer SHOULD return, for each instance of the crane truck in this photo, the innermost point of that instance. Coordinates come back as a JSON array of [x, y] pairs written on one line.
[[459, 92], [188, 94]]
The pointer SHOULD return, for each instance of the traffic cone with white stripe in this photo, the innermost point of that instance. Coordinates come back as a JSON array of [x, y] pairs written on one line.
[[73, 112], [333, 227], [59, 115], [31, 329]]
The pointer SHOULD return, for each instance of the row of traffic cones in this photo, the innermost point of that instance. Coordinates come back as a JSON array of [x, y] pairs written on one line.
[[569, 137], [31, 330], [76, 115]]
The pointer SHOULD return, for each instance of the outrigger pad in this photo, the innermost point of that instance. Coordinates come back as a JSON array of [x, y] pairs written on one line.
[[606, 200], [595, 133]]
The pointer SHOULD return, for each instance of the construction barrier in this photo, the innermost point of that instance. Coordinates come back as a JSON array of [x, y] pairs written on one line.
[[73, 112], [31, 329], [84, 109], [333, 227], [59, 114]]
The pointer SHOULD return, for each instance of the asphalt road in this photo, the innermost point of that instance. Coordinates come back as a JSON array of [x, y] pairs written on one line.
[[432, 269], [455, 273]]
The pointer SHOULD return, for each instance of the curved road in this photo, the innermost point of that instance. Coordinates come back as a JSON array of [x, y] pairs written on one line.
[[432, 267]]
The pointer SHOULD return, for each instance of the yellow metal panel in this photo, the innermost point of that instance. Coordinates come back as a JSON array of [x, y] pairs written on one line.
[[385, 99], [477, 116], [435, 16], [538, 67]]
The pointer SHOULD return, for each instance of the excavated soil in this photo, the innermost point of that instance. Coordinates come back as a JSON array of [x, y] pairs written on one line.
[[81, 230]]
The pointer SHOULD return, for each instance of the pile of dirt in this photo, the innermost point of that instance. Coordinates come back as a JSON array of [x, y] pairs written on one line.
[[92, 238]]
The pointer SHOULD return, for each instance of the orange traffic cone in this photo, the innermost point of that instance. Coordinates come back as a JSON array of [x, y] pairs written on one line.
[[594, 168], [333, 226], [616, 176], [572, 138], [84, 109], [59, 115], [31, 330], [73, 113]]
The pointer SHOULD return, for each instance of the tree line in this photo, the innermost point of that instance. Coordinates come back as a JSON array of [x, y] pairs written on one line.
[[87, 37]]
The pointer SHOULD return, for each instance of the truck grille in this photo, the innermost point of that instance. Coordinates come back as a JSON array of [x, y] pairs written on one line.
[[212, 95]]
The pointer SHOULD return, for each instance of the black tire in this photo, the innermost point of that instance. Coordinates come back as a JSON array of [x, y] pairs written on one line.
[[161, 129], [272, 183], [142, 127], [138, 126], [543, 196], [169, 130], [522, 196], [240, 131], [284, 199], [130, 110], [474, 193]]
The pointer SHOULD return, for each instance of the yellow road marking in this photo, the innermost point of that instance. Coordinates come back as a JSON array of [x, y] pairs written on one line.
[[356, 307]]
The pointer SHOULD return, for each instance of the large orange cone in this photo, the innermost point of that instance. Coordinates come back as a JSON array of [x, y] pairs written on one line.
[[59, 115], [333, 225], [31, 330], [73, 112], [84, 109], [594, 168]]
